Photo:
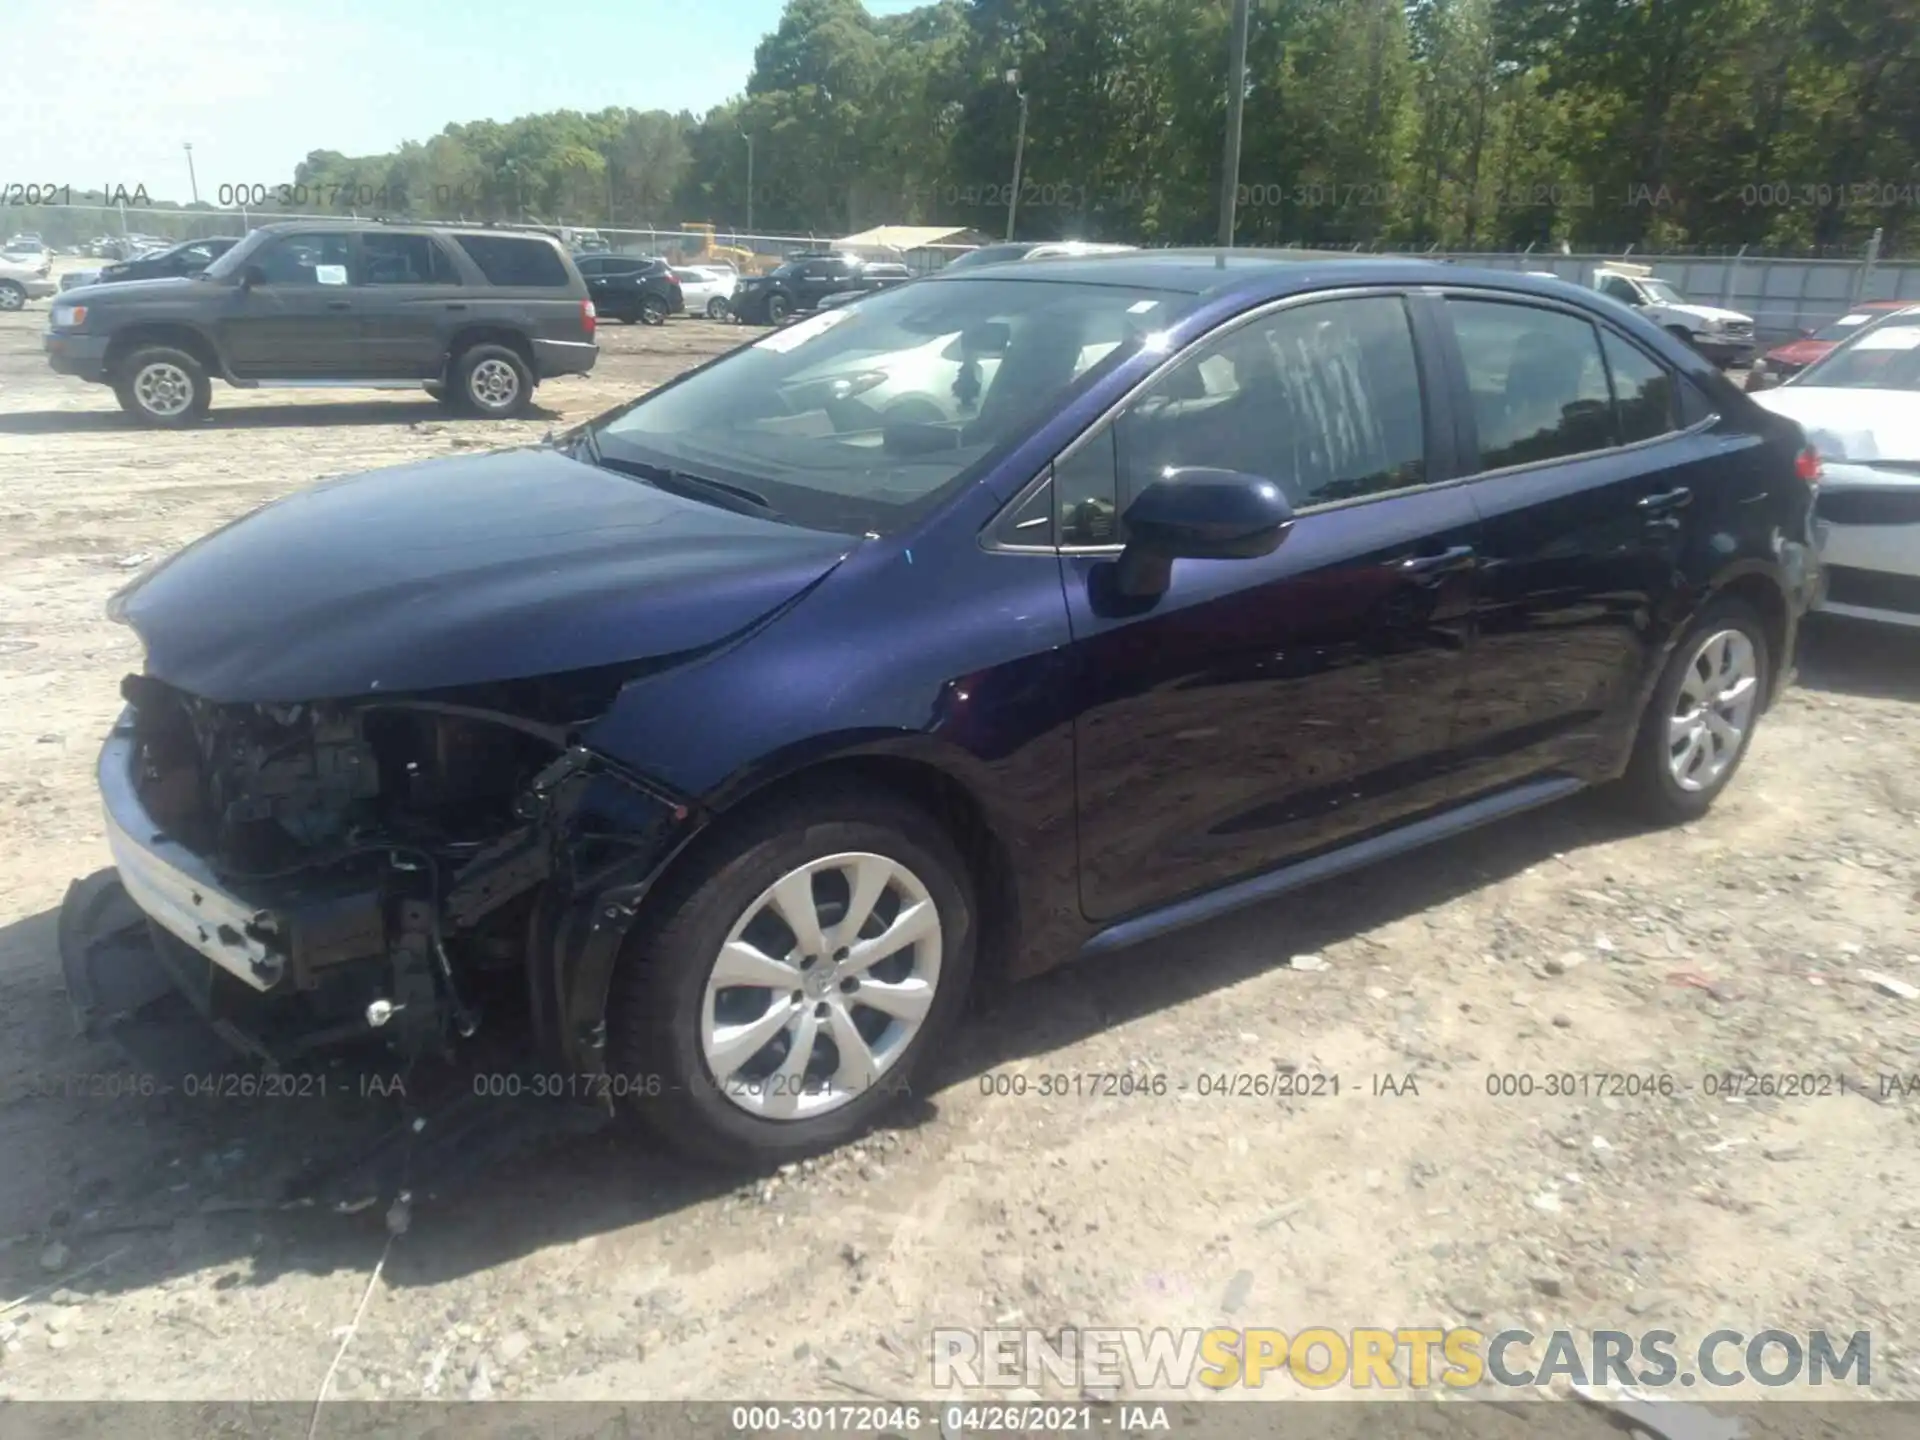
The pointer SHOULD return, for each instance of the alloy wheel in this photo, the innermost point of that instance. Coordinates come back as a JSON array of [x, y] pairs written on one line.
[[163, 389], [1713, 710], [821, 986], [12, 297], [493, 385]]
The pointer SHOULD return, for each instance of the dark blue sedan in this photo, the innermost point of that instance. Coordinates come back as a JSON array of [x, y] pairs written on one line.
[[718, 749]]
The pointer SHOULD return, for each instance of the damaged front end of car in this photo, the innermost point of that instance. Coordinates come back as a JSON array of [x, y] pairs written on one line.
[[406, 868]]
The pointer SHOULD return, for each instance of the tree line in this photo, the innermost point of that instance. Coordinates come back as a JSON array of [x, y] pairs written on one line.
[[1789, 125]]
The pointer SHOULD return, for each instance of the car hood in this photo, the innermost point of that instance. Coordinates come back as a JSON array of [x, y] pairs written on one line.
[[1800, 352], [135, 292], [460, 572], [1712, 312], [1851, 424]]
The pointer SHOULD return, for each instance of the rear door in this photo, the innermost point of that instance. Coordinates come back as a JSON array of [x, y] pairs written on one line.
[[1598, 484], [1263, 709], [303, 321], [410, 299]]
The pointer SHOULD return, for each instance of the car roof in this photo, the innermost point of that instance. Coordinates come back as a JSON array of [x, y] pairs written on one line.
[[307, 227], [1264, 272]]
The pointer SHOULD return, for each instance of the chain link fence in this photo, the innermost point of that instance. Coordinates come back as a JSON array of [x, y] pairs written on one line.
[[1785, 295]]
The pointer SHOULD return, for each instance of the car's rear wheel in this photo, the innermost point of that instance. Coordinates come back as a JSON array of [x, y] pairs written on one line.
[[159, 385], [795, 980], [493, 381], [1697, 728], [653, 310], [716, 308], [12, 296]]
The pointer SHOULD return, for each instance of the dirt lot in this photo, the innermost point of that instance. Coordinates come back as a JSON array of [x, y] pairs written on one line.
[[1559, 943]]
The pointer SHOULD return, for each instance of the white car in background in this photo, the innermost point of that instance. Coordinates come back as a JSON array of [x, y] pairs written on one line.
[[25, 274], [707, 289], [1860, 407]]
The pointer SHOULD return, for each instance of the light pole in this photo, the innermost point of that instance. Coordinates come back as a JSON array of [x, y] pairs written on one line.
[[191, 180], [1019, 152], [1236, 103], [749, 139]]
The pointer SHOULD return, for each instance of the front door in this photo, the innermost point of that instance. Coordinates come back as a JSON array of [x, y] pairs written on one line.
[[301, 320], [1263, 709], [1588, 489]]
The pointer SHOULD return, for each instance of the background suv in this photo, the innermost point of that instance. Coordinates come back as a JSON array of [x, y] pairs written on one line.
[[807, 280], [632, 287], [478, 317]]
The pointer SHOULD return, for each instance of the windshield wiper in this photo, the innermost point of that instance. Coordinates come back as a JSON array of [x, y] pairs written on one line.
[[693, 487]]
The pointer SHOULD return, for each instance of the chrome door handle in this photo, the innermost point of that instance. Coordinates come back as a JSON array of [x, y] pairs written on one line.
[[1666, 500], [1454, 557]]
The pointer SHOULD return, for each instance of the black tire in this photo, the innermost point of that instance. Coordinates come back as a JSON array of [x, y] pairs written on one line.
[[12, 296], [654, 1012], [479, 381], [1649, 788], [653, 310], [717, 309], [778, 308], [153, 370]]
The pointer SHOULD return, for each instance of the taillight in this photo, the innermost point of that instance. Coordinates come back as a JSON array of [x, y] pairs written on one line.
[[1807, 465], [587, 316]]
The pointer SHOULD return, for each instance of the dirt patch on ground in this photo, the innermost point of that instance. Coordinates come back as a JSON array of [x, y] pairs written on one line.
[[1559, 945]]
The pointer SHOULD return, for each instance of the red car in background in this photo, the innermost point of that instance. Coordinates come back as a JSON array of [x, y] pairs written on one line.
[[1794, 356]]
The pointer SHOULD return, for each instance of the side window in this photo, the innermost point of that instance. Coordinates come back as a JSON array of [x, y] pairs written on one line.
[[1323, 399], [1030, 522], [1616, 288], [1643, 396], [319, 257], [446, 271], [392, 259], [1539, 386], [513, 261], [589, 266], [1084, 493]]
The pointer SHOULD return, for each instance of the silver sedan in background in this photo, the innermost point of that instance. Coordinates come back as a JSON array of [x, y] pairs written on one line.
[[1860, 407]]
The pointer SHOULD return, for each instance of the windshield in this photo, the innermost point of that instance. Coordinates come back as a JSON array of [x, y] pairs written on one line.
[[861, 418], [1883, 357], [1843, 328]]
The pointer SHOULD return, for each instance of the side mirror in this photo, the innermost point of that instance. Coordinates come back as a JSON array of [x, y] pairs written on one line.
[[252, 275], [1199, 514]]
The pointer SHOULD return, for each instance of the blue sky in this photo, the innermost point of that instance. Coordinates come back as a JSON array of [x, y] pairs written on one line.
[[104, 92]]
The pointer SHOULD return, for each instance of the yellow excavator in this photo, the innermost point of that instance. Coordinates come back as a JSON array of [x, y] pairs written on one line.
[[743, 261]]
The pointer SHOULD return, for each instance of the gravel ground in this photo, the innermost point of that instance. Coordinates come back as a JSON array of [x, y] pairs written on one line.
[[139, 1236]]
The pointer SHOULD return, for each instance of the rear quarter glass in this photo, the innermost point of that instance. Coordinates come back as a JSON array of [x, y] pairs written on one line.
[[518, 262]]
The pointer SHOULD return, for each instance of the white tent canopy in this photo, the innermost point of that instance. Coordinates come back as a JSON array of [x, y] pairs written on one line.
[[907, 237]]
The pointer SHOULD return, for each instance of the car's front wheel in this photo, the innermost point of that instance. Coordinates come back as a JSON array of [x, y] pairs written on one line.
[[778, 308], [159, 385], [1697, 728], [794, 981]]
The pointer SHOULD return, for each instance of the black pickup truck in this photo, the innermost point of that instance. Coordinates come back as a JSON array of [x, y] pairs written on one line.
[[805, 282]]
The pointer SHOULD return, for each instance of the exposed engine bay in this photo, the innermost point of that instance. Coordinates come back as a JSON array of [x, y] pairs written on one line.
[[408, 864]]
